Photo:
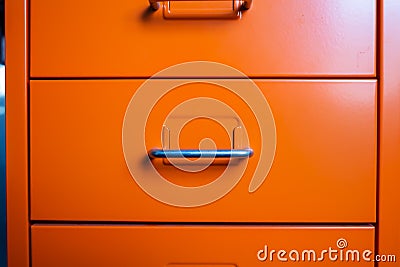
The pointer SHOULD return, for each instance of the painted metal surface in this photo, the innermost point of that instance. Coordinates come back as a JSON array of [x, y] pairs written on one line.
[[17, 134], [123, 40], [389, 168]]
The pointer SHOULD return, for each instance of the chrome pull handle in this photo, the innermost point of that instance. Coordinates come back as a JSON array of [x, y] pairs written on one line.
[[245, 4], [192, 153]]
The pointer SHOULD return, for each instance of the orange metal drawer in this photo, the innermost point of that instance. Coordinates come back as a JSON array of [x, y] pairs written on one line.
[[202, 246], [323, 170], [124, 38]]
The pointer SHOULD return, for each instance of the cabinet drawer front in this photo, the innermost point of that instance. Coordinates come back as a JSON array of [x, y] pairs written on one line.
[[201, 246], [123, 38], [323, 170]]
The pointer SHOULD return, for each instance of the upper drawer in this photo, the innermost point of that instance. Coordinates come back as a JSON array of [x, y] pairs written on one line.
[[124, 38]]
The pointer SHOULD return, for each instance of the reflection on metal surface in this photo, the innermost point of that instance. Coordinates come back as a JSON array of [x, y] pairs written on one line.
[[3, 234], [192, 153]]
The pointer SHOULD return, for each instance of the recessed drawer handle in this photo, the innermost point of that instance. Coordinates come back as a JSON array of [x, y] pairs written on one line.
[[246, 4], [192, 153]]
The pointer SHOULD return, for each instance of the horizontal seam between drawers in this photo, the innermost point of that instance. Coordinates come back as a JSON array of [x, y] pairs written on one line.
[[217, 224], [205, 78]]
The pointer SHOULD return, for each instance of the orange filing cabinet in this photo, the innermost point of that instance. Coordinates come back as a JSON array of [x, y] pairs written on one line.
[[218, 133]]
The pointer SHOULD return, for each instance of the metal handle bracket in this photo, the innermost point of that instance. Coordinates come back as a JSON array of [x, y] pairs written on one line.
[[245, 4], [238, 6]]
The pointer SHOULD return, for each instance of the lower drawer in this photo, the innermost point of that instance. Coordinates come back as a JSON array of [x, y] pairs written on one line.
[[201, 246], [85, 165]]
